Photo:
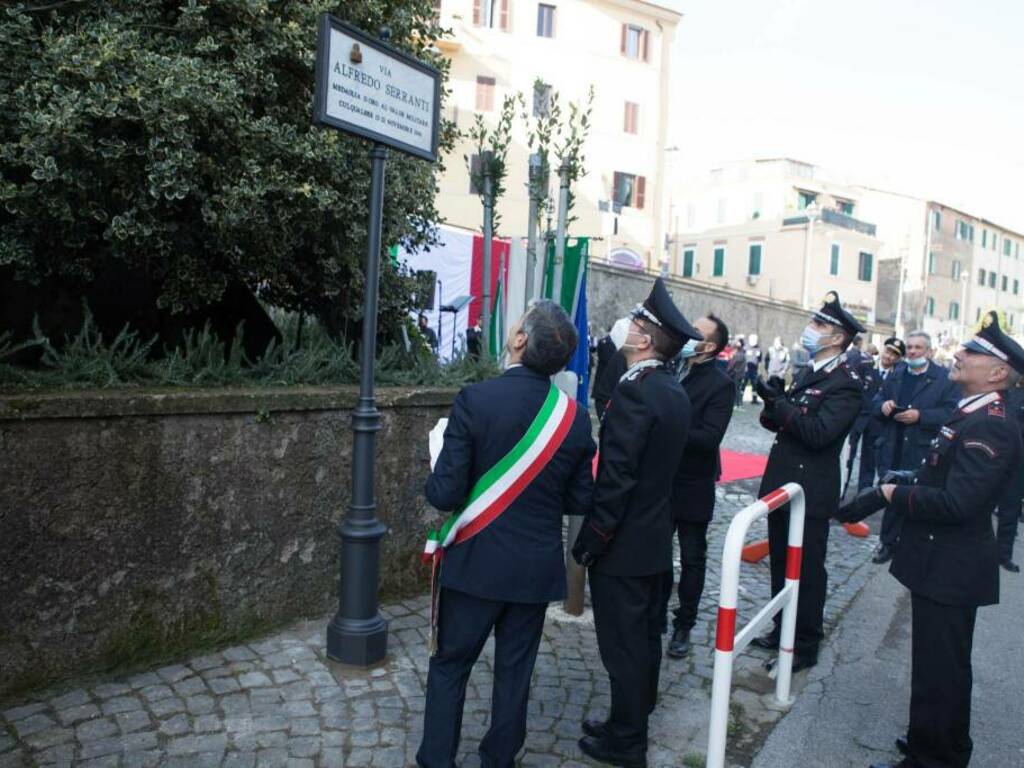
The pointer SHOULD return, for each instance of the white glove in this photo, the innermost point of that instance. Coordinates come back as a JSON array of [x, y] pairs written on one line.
[[436, 441]]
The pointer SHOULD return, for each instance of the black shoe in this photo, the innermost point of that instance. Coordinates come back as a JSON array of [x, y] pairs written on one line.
[[902, 745], [604, 752], [679, 647], [882, 555], [801, 663], [595, 728], [769, 642], [1010, 566]]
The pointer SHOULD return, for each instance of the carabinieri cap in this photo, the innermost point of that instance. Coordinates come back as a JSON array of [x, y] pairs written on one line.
[[896, 345], [832, 312], [658, 308], [989, 339]]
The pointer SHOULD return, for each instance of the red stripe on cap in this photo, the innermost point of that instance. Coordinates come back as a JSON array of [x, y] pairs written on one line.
[[776, 498], [793, 557], [725, 635]]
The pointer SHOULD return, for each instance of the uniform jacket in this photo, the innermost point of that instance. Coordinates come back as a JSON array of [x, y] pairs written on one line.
[[642, 438], [946, 550], [935, 397], [519, 557], [711, 394], [812, 421], [608, 376]]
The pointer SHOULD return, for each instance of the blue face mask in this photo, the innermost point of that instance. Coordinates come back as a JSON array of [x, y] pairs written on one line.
[[810, 340], [917, 362], [689, 349]]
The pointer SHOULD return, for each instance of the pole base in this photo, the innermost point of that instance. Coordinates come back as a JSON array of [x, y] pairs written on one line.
[[357, 642]]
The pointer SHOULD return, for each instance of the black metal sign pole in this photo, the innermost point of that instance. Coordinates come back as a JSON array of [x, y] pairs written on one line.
[[358, 634]]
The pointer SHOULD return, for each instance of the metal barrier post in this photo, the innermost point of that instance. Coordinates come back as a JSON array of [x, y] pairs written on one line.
[[727, 641]]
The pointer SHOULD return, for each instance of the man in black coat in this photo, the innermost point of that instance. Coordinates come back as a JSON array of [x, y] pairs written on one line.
[[711, 394], [502, 578], [946, 554], [1009, 504], [812, 420], [910, 407], [869, 427], [626, 541], [611, 364]]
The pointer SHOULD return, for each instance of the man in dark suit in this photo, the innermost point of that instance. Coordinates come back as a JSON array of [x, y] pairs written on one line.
[[871, 428], [1009, 504], [502, 578], [910, 407], [626, 541], [711, 394], [610, 366], [812, 420], [946, 554]]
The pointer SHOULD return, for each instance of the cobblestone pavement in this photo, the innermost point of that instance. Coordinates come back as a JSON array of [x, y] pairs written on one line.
[[277, 702]]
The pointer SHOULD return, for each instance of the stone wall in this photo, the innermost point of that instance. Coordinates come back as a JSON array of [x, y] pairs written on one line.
[[613, 291], [136, 523]]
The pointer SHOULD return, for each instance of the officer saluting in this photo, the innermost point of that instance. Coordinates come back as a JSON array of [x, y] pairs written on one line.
[[626, 541], [946, 554], [812, 421]]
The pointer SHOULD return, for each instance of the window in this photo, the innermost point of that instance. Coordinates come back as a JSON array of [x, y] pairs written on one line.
[[688, 262], [476, 171], [845, 206], [631, 119], [541, 99], [956, 269], [1016, 251], [1007, 246], [984, 238], [864, 267], [991, 279], [977, 314], [545, 20], [635, 42], [936, 221], [491, 13], [754, 259], [629, 190], [931, 263], [981, 277], [719, 266], [1016, 287], [1006, 283], [929, 307], [804, 199], [833, 262], [995, 242], [484, 94], [954, 310]]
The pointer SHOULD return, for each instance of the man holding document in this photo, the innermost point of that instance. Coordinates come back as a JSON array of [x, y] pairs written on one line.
[[516, 457]]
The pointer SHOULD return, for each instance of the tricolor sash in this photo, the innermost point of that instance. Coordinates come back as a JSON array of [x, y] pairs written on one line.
[[499, 486]]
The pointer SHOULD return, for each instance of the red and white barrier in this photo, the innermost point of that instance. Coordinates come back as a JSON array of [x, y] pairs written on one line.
[[727, 641]]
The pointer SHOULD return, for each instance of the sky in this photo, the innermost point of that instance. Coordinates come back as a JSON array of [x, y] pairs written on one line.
[[925, 98]]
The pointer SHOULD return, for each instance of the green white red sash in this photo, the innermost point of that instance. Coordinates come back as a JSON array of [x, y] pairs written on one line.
[[502, 484]]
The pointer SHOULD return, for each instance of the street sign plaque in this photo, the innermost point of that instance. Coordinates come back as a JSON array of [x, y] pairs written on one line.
[[368, 88]]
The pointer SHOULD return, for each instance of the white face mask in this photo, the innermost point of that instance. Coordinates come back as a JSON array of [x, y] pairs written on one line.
[[619, 332]]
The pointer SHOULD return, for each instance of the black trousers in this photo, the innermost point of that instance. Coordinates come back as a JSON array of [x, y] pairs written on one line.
[[810, 608], [940, 684], [1009, 514], [627, 617], [464, 624], [868, 461], [693, 551]]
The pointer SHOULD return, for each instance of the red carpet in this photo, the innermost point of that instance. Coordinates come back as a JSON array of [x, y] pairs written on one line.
[[740, 466]]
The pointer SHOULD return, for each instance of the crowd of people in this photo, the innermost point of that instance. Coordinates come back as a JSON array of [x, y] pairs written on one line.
[[518, 454]]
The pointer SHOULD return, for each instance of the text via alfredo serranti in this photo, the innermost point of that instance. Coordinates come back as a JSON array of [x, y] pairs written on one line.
[[394, 106]]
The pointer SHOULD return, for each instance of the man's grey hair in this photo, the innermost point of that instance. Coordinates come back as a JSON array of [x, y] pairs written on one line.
[[921, 334], [551, 338]]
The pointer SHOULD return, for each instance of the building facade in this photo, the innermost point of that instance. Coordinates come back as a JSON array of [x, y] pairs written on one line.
[[778, 229], [621, 49]]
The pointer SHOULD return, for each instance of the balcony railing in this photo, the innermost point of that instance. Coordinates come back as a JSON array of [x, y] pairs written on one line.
[[837, 219]]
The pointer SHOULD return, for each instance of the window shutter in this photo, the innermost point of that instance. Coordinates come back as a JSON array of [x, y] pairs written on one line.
[[622, 44], [616, 185], [641, 183], [645, 37], [504, 15], [476, 12]]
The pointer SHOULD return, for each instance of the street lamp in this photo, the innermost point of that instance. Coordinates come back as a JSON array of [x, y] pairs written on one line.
[[812, 212]]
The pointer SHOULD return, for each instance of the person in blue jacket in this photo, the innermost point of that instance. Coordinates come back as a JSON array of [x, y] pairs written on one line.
[[911, 405], [503, 578]]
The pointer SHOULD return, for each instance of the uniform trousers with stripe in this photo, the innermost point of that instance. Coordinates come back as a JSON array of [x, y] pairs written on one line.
[[940, 684], [464, 624], [810, 608]]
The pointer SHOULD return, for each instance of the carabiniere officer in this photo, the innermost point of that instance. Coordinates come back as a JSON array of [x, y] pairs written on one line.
[[946, 554]]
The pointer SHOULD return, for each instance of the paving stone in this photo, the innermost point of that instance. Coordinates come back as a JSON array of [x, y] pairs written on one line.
[[107, 761], [191, 686], [201, 663], [174, 673], [69, 700], [96, 729], [238, 653], [78, 714], [134, 742], [33, 724], [130, 722], [121, 704], [49, 737], [61, 754], [165, 707], [240, 760], [175, 726], [254, 680], [284, 676], [108, 690], [20, 713], [188, 745], [306, 726], [144, 680], [200, 705], [222, 685], [272, 758], [144, 759], [303, 746], [234, 704], [208, 724], [156, 692]]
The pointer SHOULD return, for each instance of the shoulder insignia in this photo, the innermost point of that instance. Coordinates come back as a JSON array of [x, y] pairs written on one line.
[[813, 391], [983, 447], [996, 409], [947, 433]]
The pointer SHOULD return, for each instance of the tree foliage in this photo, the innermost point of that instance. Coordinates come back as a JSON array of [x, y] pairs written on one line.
[[175, 136]]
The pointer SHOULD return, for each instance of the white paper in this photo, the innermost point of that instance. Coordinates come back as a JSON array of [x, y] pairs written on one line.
[[436, 441]]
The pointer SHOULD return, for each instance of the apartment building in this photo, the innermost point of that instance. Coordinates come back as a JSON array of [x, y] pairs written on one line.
[[621, 48], [777, 228]]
